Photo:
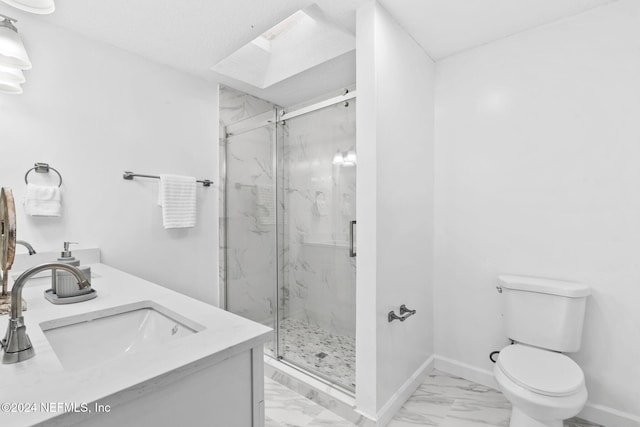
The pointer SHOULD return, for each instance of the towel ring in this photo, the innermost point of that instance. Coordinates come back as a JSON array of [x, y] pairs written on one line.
[[42, 168]]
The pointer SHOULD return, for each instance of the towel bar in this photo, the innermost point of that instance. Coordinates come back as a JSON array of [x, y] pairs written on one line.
[[42, 168], [130, 175]]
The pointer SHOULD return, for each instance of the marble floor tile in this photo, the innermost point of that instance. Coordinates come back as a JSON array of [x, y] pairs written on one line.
[[328, 418], [268, 422], [472, 414], [578, 422], [287, 407], [424, 408], [442, 400], [455, 388], [405, 418]]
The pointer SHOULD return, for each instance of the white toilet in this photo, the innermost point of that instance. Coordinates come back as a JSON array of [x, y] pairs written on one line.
[[544, 318]]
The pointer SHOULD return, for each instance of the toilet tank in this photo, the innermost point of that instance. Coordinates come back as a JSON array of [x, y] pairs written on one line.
[[544, 313]]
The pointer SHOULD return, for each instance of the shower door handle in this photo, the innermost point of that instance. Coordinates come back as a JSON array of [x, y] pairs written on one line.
[[352, 249]]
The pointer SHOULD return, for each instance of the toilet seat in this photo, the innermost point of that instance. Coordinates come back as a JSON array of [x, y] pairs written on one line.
[[541, 371]]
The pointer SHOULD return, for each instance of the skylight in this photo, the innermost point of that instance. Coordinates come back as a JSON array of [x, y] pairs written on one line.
[[284, 26], [300, 42]]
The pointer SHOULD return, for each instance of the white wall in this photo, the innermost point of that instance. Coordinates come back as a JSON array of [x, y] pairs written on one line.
[[93, 111], [395, 211], [537, 173]]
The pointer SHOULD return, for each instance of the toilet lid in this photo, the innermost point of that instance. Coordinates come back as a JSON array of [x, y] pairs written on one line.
[[541, 371]]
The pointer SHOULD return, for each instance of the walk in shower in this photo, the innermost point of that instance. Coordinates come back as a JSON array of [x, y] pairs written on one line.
[[288, 227]]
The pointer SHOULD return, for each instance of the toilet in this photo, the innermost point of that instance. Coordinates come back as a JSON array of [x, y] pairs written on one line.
[[544, 318]]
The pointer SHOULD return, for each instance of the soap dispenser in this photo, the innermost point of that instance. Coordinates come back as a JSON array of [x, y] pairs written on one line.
[[66, 256], [64, 284]]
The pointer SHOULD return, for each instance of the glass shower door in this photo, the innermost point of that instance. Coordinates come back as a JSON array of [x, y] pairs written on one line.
[[317, 283], [250, 222]]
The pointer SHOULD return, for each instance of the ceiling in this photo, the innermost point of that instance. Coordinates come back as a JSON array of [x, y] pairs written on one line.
[[446, 27], [193, 35]]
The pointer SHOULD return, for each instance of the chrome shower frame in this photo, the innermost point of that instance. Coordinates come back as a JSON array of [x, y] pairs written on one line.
[[277, 118]]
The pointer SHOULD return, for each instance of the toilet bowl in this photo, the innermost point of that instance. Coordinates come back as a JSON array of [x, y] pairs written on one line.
[[544, 387]]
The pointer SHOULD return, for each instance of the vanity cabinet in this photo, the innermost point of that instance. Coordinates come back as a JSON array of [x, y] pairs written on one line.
[[225, 394], [211, 377]]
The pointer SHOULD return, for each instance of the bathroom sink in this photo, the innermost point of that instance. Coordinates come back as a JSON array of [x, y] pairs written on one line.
[[93, 338]]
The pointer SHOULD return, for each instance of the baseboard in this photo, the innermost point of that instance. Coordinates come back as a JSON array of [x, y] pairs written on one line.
[[608, 417], [599, 414], [393, 405], [468, 372]]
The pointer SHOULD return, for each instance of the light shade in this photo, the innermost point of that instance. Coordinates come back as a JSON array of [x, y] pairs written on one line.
[[12, 52], [338, 158], [12, 89], [351, 157], [41, 7], [11, 75]]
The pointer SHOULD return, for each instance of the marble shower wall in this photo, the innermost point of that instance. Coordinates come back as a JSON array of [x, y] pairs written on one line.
[[320, 199], [316, 202], [249, 239]]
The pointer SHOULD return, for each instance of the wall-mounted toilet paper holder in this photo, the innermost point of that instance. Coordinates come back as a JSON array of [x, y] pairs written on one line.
[[405, 313]]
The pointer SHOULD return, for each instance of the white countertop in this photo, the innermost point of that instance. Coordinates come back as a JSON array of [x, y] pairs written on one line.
[[43, 379]]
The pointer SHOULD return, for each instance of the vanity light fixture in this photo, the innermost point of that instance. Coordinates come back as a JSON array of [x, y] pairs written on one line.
[[350, 159], [12, 52], [11, 75], [345, 158], [41, 7], [10, 88]]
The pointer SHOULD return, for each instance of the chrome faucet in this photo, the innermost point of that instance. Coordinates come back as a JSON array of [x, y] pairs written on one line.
[[4, 275], [16, 343], [26, 245]]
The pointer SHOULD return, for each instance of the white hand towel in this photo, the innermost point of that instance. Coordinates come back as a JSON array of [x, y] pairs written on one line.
[[177, 196], [42, 200]]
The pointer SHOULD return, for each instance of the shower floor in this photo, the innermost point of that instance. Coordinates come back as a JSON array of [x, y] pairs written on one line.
[[331, 356]]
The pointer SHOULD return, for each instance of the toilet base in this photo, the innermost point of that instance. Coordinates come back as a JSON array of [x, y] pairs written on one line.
[[520, 419]]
